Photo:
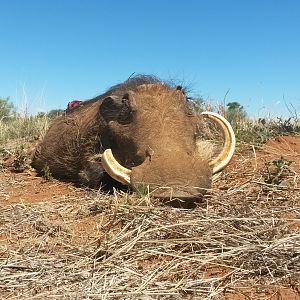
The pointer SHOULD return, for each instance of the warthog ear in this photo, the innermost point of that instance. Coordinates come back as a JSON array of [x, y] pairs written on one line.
[[118, 109]]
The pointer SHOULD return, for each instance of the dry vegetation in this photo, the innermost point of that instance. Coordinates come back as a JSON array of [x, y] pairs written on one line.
[[241, 242]]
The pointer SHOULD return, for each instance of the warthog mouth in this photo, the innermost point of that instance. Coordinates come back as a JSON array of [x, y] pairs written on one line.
[[180, 192], [179, 197], [122, 174]]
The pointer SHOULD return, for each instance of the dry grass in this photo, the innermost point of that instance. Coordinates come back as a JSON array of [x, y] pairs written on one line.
[[18, 135], [245, 233], [22, 129]]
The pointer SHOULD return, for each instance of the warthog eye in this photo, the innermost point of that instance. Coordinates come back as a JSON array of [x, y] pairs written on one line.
[[126, 112], [115, 109], [125, 115]]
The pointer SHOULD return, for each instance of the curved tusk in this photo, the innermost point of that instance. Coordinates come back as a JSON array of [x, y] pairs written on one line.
[[223, 159], [114, 169]]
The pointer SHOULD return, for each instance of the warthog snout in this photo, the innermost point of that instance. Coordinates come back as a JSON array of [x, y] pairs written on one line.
[[165, 179]]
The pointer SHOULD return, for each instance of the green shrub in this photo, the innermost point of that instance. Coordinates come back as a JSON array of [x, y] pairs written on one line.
[[277, 170], [235, 113], [261, 130], [6, 108]]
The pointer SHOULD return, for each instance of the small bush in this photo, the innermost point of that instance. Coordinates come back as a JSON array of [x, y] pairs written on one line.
[[277, 170], [20, 163], [46, 173], [235, 113]]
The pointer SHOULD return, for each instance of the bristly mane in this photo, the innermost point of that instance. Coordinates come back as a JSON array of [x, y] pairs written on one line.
[[130, 84], [133, 82], [120, 89]]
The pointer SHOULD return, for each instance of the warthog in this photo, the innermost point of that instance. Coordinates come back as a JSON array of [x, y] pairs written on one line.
[[141, 133]]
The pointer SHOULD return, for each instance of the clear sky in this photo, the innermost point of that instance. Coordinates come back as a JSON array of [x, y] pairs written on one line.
[[56, 51]]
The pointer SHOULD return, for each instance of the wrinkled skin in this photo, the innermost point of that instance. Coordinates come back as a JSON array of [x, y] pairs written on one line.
[[150, 129]]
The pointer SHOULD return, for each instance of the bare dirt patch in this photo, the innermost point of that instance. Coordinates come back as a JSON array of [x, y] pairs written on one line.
[[242, 242], [286, 145], [26, 187]]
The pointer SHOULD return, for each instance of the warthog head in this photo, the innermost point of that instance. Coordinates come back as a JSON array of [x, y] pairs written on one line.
[[146, 134]]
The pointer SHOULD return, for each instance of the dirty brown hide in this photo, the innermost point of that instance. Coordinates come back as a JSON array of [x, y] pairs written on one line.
[[141, 133]]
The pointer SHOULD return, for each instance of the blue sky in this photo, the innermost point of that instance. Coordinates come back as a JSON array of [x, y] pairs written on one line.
[[55, 51]]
